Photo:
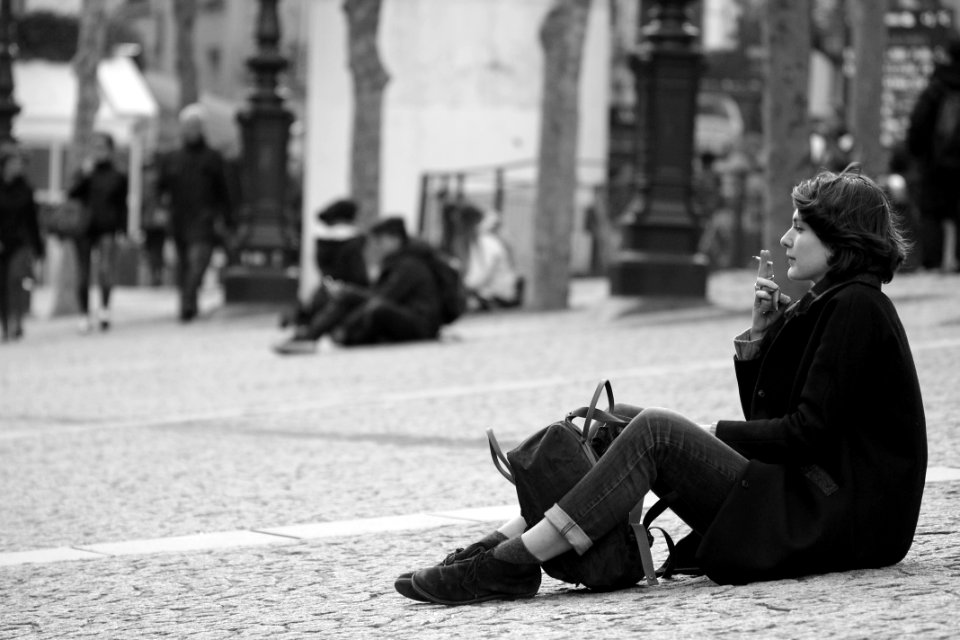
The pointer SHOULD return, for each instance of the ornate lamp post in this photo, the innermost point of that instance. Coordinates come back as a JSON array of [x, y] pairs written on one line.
[[8, 106], [266, 244], [659, 255]]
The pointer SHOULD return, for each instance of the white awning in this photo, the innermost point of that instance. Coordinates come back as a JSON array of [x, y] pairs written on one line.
[[47, 94]]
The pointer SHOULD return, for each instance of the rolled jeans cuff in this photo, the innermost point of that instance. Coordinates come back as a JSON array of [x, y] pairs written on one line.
[[569, 529]]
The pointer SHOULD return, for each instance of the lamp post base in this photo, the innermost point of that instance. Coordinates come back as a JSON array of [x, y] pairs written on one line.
[[645, 273], [258, 285]]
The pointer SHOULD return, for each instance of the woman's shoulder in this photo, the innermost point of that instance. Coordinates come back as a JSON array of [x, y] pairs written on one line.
[[866, 308]]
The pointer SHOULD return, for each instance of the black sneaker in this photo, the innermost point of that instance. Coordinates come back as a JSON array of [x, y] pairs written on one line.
[[402, 583], [479, 579]]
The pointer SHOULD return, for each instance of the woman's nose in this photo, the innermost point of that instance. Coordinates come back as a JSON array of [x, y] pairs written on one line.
[[785, 240]]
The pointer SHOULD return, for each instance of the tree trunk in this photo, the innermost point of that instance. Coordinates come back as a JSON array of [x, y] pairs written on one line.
[[785, 122], [561, 36], [869, 35], [369, 82], [90, 49], [184, 17]]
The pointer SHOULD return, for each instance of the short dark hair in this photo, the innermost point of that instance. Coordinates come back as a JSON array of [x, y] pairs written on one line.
[[390, 226], [106, 137], [852, 216], [339, 211]]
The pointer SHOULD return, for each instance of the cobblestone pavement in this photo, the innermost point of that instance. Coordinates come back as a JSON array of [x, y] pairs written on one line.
[[156, 430]]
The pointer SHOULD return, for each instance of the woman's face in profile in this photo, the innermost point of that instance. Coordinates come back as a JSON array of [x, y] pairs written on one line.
[[807, 256]]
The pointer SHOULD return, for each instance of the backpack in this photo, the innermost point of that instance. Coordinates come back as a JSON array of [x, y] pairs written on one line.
[[453, 294], [945, 147], [545, 466]]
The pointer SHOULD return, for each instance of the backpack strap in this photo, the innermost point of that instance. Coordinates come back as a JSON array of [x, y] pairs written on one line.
[[599, 417], [680, 558], [654, 512], [499, 458], [589, 412], [643, 542]]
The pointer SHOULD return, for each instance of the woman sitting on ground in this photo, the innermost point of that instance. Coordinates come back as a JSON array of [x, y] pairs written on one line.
[[825, 474], [490, 277]]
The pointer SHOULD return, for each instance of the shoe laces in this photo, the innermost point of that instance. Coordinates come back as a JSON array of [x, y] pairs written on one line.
[[471, 569], [451, 557]]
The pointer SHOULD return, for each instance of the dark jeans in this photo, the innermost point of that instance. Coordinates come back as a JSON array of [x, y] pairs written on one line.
[[106, 246], [14, 267], [356, 317], [327, 311], [153, 242], [380, 320], [193, 258], [660, 451]]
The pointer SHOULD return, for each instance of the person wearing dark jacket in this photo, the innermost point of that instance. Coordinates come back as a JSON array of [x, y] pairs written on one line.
[[192, 186], [933, 140], [20, 242], [402, 305], [102, 189], [339, 252], [825, 473]]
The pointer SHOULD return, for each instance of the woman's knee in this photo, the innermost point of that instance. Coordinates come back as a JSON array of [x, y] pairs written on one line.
[[626, 410], [657, 422]]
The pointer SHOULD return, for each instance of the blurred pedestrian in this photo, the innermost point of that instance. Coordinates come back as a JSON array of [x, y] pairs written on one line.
[[403, 304], [490, 277], [20, 242], [831, 145], [101, 188], [155, 223], [716, 220], [192, 185], [339, 254], [821, 476], [933, 139]]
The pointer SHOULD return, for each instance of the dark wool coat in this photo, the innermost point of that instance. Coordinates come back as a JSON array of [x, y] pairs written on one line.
[[19, 226], [342, 259], [104, 193], [836, 439], [407, 280], [192, 182]]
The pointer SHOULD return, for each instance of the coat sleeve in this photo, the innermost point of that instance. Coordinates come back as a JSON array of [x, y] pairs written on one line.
[[33, 220], [161, 185], [401, 281], [121, 195], [80, 188], [832, 388], [221, 189]]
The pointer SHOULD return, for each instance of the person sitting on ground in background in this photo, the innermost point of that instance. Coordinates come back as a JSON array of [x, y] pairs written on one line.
[[403, 304], [20, 242], [102, 189], [339, 250], [489, 275], [826, 473]]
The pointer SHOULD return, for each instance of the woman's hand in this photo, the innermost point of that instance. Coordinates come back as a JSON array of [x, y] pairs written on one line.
[[768, 302]]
